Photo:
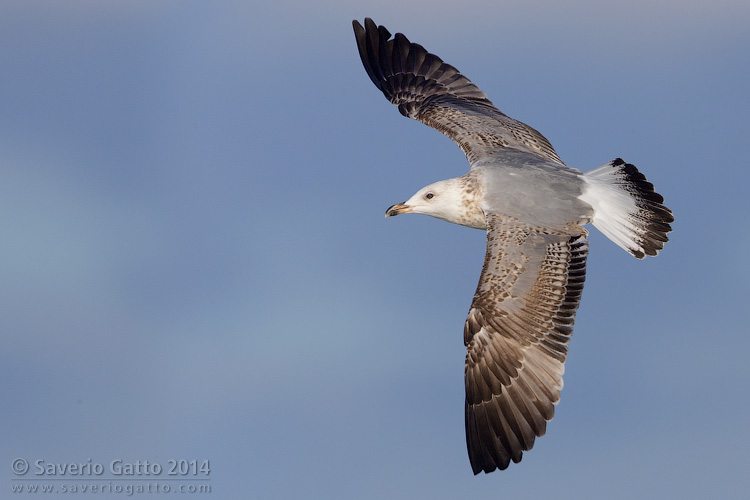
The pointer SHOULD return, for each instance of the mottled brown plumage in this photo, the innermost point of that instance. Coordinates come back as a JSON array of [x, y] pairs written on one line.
[[435, 93], [517, 334]]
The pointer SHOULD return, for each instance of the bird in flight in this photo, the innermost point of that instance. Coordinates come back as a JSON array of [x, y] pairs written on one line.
[[533, 208]]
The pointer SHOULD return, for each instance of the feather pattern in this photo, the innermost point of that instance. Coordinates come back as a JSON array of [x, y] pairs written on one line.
[[517, 334], [437, 94]]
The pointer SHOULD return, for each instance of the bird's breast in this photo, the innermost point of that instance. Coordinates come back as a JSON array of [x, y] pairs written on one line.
[[471, 213]]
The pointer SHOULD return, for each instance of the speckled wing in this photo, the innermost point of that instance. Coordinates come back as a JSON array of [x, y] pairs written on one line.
[[435, 93], [517, 334]]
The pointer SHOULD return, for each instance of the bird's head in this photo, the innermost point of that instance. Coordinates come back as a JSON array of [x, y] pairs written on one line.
[[443, 200]]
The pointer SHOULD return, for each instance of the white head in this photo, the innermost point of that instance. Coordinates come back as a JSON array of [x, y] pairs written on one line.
[[447, 200]]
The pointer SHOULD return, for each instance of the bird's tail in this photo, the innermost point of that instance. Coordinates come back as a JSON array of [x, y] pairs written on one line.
[[626, 208]]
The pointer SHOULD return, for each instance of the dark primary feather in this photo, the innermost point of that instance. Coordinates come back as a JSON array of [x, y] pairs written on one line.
[[517, 334], [435, 93]]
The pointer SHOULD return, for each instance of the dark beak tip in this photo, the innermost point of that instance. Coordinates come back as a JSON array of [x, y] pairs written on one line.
[[397, 209]]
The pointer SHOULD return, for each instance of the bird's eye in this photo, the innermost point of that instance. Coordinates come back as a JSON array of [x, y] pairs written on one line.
[[429, 196]]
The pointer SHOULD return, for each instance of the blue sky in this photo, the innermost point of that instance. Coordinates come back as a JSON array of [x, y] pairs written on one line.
[[196, 263]]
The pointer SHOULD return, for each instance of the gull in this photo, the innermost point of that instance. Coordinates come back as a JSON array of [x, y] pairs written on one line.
[[533, 208]]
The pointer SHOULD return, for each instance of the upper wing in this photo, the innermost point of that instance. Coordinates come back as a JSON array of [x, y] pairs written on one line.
[[517, 335], [435, 93]]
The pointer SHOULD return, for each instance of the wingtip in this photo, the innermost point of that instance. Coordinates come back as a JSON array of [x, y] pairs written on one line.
[[370, 26]]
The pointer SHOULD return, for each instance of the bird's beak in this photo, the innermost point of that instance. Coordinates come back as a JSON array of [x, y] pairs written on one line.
[[398, 208]]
